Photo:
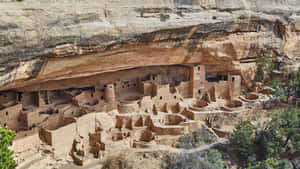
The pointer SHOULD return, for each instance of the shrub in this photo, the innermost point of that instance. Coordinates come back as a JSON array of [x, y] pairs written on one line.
[[242, 139], [116, 161], [267, 164], [196, 138], [286, 126], [6, 155], [265, 67], [211, 159], [214, 159], [295, 84], [271, 163], [164, 17], [279, 135], [279, 89], [284, 164], [277, 138]]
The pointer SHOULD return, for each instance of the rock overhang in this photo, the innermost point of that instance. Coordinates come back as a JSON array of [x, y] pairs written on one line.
[[40, 39]]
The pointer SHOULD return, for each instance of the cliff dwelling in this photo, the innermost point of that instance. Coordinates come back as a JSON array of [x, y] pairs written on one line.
[[139, 105], [83, 79]]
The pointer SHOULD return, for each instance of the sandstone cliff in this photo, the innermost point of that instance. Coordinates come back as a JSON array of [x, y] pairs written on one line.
[[42, 41]]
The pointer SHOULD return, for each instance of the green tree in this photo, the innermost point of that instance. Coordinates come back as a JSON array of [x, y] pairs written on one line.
[[279, 89], [267, 164], [286, 126], [242, 139], [284, 164], [6, 155], [270, 163], [265, 67], [297, 84], [214, 160], [294, 83], [278, 137]]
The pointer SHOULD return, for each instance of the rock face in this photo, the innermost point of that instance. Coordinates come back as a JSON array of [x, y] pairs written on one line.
[[47, 41], [133, 71]]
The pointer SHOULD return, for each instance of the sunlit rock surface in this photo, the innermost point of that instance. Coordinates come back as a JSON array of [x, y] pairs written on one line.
[[43, 41]]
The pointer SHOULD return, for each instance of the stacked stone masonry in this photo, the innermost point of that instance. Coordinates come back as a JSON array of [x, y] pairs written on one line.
[[137, 106]]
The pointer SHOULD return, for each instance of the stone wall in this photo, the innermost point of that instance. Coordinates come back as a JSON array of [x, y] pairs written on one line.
[[9, 117]]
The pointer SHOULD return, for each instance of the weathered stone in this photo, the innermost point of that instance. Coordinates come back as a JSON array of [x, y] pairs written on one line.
[[93, 40]]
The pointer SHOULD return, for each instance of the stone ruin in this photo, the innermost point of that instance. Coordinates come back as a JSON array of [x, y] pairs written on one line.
[[136, 105]]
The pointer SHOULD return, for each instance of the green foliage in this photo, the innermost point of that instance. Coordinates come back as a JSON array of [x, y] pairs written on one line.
[[267, 164], [284, 164], [164, 17], [279, 89], [277, 137], [6, 155], [286, 125], [196, 138], [280, 135], [214, 160], [265, 67], [242, 139], [270, 163], [295, 83], [197, 160]]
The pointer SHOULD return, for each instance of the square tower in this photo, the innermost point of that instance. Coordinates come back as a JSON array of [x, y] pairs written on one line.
[[197, 80]]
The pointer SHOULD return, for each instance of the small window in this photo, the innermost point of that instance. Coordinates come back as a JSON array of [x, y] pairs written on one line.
[[233, 79], [128, 85], [115, 84], [175, 97], [105, 85], [198, 68], [6, 113], [92, 94], [199, 91], [134, 85], [153, 78], [160, 97], [19, 96], [102, 97], [4, 124]]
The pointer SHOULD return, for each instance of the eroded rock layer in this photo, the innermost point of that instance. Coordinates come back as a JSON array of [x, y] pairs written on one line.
[[78, 76], [50, 41]]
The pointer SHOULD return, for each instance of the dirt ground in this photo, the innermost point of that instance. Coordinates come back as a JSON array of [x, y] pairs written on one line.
[[119, 154]]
